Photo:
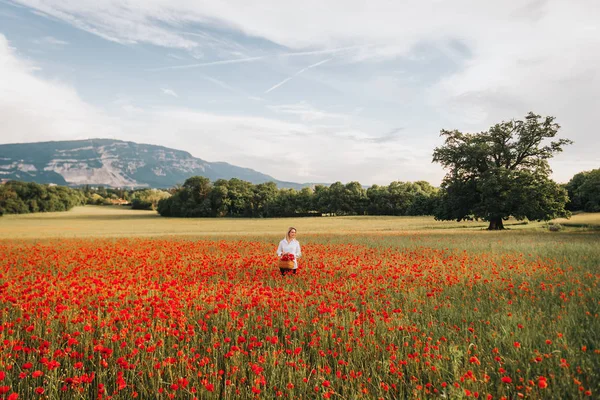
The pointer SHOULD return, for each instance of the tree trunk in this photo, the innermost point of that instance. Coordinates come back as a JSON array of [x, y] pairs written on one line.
[[496, 224]]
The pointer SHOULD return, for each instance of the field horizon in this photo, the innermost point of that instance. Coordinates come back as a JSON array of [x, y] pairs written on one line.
[[118, 221]]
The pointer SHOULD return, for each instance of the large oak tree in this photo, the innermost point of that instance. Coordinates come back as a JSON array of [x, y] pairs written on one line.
[[502, 172]]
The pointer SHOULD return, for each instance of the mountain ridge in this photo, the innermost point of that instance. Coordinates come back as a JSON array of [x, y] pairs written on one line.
[[116, 163]]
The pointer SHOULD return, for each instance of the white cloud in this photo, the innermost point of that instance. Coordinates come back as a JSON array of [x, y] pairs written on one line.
[[307, 112], [169, 92], [36, 109], [50, 41], [285, 150], [542, 68], [392, 27]]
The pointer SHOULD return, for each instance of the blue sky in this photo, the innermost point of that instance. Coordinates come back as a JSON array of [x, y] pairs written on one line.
[[307, 92]]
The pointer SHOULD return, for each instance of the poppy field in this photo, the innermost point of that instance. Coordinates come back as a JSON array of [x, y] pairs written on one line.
[[209, 318]]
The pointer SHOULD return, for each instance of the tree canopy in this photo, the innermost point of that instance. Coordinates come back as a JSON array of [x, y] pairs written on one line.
[[29, 197], [584, 191], [198, 197], [147, 199], [501, 172]]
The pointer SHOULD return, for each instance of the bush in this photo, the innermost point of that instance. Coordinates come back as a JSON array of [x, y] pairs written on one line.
[[555, 227], [139, 204]]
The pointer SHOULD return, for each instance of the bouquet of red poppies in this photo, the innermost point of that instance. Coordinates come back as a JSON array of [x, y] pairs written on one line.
[[287, 257]]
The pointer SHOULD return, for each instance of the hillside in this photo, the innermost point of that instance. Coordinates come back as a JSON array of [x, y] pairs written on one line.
[[115, 163]]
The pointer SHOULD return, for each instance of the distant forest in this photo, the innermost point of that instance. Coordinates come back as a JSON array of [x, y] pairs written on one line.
[[199, 197]]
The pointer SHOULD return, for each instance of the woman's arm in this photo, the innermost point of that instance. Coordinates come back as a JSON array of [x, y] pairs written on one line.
[[279, 250], [298, 251]]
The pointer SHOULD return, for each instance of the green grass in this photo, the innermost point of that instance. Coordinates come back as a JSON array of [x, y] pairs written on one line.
[[106, 221], [581, 220]]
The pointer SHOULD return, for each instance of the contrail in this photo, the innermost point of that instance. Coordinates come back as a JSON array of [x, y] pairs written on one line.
[[223, 85], [250, 59], [234, 61], [315, 52], [298, 73], [220, 83], [280, 83]]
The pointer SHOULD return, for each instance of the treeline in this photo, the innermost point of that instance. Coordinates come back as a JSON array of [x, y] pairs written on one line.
[[29, 197], [198, 197]]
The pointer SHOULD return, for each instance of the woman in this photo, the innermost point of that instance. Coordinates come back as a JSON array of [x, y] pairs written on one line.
[[289, 245]]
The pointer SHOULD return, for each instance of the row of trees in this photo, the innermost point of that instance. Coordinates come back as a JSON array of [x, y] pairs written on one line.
[[29, 197], [198, 197]]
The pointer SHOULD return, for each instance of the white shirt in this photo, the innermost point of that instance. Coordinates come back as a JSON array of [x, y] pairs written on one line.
[[292, 247]]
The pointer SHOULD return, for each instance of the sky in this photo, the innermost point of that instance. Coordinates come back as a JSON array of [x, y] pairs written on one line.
[[310, 91]]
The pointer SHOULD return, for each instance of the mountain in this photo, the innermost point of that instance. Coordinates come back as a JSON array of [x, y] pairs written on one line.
[[115, 163]]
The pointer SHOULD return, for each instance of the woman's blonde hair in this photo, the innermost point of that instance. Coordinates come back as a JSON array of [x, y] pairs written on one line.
[[287, 235]]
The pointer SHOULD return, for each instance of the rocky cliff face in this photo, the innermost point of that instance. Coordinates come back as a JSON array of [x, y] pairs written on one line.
[[114, 163]]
